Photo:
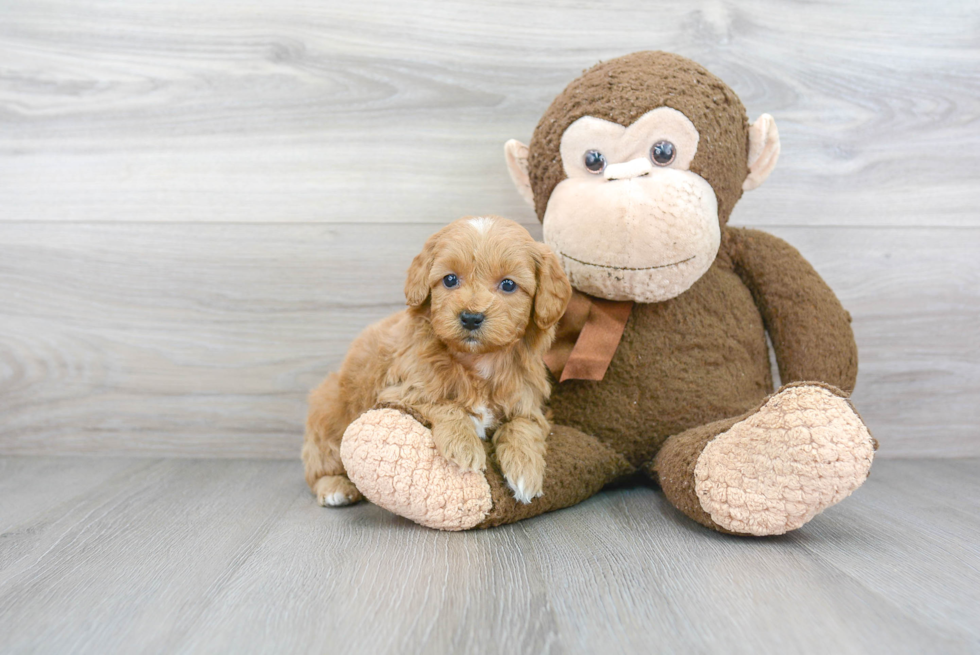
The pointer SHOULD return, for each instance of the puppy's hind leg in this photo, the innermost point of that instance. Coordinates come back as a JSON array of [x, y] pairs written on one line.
[[325, 427], [335, 491]]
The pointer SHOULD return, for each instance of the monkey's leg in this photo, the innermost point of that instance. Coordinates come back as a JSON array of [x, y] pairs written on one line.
[[771, 470], [394, 462], [577, 466]]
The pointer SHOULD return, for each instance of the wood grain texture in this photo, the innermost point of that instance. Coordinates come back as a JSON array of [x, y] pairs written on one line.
[[201, 205], [300, 111], [31, 487], [234, 556], [203, 340]]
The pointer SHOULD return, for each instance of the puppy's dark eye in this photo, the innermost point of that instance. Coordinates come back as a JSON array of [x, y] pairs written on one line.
[[594, 161], [508, 286], [662, 153], [450, 281]]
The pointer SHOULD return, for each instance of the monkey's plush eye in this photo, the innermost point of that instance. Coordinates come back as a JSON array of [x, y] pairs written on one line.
[[662, 153], [450, 281], [594, 161], [507, 286]]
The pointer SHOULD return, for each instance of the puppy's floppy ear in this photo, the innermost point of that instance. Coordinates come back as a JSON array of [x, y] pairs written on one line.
[[553, 292], [417, 282]]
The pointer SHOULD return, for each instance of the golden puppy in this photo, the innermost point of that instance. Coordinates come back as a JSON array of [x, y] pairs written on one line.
[[465, 358]]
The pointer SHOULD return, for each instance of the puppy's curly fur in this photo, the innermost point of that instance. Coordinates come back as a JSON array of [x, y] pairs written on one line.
[[433, 361]]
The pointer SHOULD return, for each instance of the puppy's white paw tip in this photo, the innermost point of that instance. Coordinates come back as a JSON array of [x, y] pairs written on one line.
[[522, 493], [336, 499]]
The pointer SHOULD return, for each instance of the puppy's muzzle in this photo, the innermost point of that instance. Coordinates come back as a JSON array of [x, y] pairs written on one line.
[[471, 321]]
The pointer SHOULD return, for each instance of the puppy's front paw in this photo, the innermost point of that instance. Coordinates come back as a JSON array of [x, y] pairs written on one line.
[[465, 451], [523, 468], [468, 456], [336, 491]]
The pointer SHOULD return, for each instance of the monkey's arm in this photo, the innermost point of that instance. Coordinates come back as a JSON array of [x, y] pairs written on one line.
[[810, 330]]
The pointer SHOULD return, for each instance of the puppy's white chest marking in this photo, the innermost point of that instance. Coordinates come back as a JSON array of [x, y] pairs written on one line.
[[484, 367], [483, 421]]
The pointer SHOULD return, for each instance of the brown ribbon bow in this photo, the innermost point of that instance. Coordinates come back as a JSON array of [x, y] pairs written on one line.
[[587, 337]]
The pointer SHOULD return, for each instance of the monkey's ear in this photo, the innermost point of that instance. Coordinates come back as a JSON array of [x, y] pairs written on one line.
[[516, 154], [417, 282], [763, 151], [554, 290]]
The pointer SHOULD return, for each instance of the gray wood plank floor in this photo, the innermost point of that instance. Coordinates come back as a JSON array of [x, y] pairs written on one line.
[[102, 555]]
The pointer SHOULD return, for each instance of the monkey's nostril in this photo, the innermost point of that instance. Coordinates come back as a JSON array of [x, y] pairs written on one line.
[[470, 320]]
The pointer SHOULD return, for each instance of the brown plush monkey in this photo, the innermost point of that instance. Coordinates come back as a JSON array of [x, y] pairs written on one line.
[[662, 356]]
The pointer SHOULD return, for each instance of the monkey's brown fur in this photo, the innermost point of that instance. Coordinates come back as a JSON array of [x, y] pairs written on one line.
[[688, 395], [696, 361], [624, 89]]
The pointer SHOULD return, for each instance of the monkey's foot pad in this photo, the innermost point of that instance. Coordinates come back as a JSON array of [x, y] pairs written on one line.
[[393, 461], [803, 451]]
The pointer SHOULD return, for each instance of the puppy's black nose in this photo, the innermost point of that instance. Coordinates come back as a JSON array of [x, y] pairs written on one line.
[[470, 320]]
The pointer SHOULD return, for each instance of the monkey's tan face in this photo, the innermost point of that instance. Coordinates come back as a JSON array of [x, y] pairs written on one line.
[[631, 221]]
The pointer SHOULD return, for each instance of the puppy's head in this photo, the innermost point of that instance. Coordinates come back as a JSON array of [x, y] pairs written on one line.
[[486, 284]]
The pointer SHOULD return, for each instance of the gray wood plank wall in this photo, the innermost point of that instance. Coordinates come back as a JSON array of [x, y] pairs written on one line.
[[201, 204]]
